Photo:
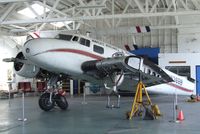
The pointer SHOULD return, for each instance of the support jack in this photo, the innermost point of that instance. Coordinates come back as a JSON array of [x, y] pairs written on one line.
[[138, 104]]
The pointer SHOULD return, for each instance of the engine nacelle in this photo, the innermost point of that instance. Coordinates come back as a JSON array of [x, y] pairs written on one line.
[[25, 69]]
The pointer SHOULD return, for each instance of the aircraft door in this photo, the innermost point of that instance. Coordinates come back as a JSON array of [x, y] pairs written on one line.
[[198, 80]]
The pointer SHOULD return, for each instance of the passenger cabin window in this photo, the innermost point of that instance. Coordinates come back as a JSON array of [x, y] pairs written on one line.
[[85, 42], [154, 74], [64, 37], [149, 71], [98, 49], [75, 38]]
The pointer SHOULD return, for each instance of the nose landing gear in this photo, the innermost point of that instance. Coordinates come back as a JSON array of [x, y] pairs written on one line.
[[52, 96], [46, 102]]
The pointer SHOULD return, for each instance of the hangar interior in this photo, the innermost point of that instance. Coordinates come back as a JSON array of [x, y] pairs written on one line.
[[114, 22], [172, 26]]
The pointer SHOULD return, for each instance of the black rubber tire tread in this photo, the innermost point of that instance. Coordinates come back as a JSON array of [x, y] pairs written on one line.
[[43, 100], [61, 101]]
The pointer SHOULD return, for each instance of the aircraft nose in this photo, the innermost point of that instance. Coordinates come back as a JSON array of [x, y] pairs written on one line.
[[26, 49], [29, 48], [35, 47]]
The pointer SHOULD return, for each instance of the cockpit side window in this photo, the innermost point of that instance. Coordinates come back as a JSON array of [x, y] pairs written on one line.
[[87, 43], [84, 42], [64, 37], [75, 38]]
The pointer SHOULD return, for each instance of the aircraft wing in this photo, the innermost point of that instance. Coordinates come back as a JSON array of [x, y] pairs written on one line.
[[132, 67]]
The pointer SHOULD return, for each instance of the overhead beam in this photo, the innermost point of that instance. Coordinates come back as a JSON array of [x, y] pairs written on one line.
[[51, 8], [99, 10], [113, 12], [9, 1], [32, 10], [8, 11], [65, 3], [44, 10], [167, 10], [106, 21], [5, 31], [83, 4], [71, 2], [146, 6], [115, 16], [49, 15], [175, 5], [154, 6], [184, 4], [18, 27], [91, 7], [125, 9], [196, 4], [119, 30], [140, 6]]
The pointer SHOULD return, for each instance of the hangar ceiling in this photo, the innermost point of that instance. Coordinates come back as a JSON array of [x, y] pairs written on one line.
[[74, 14]]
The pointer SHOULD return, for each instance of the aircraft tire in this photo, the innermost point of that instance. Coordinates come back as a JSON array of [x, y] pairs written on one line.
[[61, 101], [44, 102]]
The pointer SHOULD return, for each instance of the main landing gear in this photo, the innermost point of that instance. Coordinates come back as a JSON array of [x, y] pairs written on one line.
[[113, 105], [116, 79], [52, 96]]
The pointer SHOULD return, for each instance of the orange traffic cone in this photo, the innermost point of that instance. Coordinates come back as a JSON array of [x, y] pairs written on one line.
[[180, 116]]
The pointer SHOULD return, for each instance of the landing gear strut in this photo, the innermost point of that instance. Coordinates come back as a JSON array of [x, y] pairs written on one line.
[[109, 105], [52, 97], [117, 80]]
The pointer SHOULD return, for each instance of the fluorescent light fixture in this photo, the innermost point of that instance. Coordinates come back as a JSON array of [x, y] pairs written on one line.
[[38, 9], [61, 24]]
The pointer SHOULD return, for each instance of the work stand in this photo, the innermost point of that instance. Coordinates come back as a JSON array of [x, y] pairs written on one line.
[[9, 90], [84, 94], [139, 104], [23, 111]]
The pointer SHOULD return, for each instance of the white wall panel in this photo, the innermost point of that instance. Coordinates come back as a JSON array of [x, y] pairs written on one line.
[[166, 39], [189, 42], [6, 69], [191, 59]]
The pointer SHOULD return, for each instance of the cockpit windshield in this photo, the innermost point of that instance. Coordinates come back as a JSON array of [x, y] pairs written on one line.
[[64, 37]]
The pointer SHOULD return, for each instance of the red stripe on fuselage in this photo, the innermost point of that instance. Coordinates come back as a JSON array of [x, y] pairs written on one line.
[[78, 52], [179, 87]]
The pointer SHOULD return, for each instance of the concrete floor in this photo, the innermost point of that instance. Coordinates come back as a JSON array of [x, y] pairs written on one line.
[[94, 118]]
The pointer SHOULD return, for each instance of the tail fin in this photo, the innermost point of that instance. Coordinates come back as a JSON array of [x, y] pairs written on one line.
[[33, 35]]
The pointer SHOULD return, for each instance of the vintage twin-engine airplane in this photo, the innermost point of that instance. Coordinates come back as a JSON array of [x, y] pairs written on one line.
[[91, 60]]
